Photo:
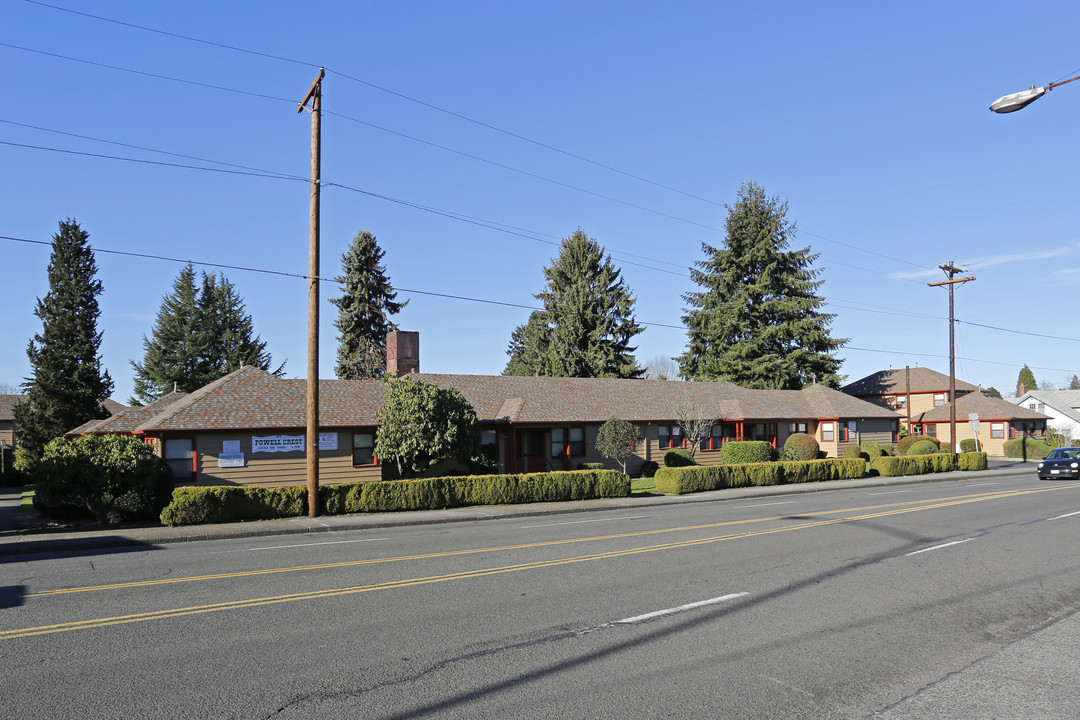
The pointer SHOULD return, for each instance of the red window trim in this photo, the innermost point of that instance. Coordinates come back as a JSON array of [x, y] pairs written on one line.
[[568, 444], [670, 435]]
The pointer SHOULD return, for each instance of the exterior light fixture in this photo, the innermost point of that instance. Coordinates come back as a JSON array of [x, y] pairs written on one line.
[[1020, 100]]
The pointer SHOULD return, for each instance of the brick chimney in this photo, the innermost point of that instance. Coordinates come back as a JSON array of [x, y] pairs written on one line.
[[402, 353], [1021, 389]]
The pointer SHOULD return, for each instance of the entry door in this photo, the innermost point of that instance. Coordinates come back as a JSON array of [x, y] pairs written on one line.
[[532, 450]]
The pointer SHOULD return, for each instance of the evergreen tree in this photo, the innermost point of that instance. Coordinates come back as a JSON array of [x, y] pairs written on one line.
[[757, 322], [364, 310], [1074, 384], [587, 322], [67, 383], [1027, 379], [199, 335], [992, 392], [528, 349]]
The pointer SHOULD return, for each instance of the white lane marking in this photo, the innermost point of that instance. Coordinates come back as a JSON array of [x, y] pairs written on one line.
[[579, 522], [938, 547], [1066, 515], [669, 611], [890, 492], [982, 484], [786, 502], [300, 545]]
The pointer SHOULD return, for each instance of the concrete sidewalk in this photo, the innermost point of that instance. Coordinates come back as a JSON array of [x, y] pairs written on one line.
[[17, 538]]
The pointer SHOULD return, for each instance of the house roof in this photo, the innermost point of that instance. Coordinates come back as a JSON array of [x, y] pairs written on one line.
[[886, 382], [250, 398], [987, 407], [129, 418], [1066, 402]]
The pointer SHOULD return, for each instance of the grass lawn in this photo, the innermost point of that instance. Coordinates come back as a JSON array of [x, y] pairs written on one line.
[[26, 499], [643, 485]]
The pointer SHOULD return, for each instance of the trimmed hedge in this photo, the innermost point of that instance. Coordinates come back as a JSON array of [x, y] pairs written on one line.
[[649, 468], [194, 505], [590, 466], [1036, 449], [971, 460], [912, 464], [680, 481], [872, 449], [907, 441], [852, 451], [737, 452], [923, 447], [678, 457]]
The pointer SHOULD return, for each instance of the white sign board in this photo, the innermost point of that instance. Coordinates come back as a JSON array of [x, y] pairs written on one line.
[[277, 443], [328, 441], [230, 447], [230, 460]]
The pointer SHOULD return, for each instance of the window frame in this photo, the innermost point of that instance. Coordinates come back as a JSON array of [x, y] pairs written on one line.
[[570, 448], [353, 448], [997, 431], [671, 431], [189, 458], [939, 399], [831, 429]]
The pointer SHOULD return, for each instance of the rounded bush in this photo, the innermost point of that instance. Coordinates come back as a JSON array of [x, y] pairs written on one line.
[[678, 457], [800, 447], [923, 447], [872, 449], [586, 466], [852, 452], [907, 441], [967, 445], [746, 451], [1036, 449], [649, 468]]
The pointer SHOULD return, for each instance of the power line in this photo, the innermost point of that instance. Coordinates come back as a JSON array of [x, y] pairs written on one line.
[[388, 91], [966, 359], [1020, 332]]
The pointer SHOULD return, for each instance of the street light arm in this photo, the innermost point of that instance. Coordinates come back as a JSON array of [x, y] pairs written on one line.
[[1020, 100]]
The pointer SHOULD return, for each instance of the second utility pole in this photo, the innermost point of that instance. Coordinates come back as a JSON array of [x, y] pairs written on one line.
[[952, 270], [312, 439]]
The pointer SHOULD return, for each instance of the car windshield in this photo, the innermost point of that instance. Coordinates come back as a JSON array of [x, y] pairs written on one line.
[[1063, 454]]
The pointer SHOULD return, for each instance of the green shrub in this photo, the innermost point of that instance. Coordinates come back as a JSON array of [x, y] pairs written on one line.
[[872, 449], [587, 466], [800, 446], [907, 441], [193, 505], [680, 481], [649, 468], [923, 447], [678, 457], [108, 477], [912, 465], [1036, 449], [852, 451], [738, 452], [967, 445], [971, 460]]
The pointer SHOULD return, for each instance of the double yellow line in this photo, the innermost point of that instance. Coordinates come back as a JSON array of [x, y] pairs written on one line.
[[878, 511]]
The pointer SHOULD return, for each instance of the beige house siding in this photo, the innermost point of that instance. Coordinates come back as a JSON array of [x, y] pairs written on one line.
[[274, 469], [7, 433], [992, 446]]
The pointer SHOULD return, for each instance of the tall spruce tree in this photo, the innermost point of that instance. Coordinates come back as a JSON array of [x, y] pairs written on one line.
[[364, 310], [1027, 379], [67, 383], [587, 322], [756, 322], [200, 334]]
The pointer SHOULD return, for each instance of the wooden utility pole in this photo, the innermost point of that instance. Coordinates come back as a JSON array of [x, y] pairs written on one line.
[[951, 271], [312, 444]]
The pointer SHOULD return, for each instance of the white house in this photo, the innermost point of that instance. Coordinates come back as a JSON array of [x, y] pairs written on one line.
[[1062, 406]]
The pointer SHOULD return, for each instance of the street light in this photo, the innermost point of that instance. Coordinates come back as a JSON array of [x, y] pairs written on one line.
[[1020, 100]]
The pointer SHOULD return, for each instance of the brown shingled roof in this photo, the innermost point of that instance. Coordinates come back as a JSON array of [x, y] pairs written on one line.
[[923, 379], [250, 398], [7, 405], [989, 408]]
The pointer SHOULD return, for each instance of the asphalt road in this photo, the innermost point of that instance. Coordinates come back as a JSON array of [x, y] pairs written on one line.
[[855, 603]]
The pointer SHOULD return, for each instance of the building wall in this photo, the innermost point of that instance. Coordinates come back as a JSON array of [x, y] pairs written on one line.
[[7, 432], [273, 469], [987, 443]]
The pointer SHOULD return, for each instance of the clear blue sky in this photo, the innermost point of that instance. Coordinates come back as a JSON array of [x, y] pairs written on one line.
[[869, 119]]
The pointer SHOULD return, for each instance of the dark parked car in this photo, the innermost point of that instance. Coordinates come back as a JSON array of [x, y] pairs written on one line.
[[1061, 463]]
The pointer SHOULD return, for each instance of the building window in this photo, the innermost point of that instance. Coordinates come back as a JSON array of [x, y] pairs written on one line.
[[939, 399], [180, 456], [796, 428], [568, 442], [1042, 408], [901, 402], [930, 430], [896, 431], [671, 437], [1031, 406], [363, 449], [997, 430], [712, 438], [828, 432]]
